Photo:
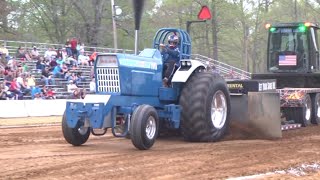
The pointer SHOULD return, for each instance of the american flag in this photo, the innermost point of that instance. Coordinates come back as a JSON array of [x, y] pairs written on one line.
[[287, 60]]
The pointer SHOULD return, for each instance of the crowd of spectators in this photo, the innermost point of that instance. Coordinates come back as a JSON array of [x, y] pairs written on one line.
[[54, 63]]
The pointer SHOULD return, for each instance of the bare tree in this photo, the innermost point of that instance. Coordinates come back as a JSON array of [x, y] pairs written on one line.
[[91, 17], [5, 10]]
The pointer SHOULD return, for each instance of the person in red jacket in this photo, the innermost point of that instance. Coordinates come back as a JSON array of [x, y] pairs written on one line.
[[93, 57], [50, 94], [14, 89], [73, 44]]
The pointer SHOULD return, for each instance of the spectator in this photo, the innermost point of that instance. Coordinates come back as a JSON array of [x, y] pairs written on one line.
[[31, 81], [47, 54], [50, 94], [4, 53], [50, 54], [22, 54], [59, 54], [78, 94], [44, 91], [81, 48], [68, 48], [57, 72], [14, 88], [8, 78], [75, 94], [53, 64], [78, 49], [64, 56], [71, 87], [93, 57], [12, 63], [64, 68], [40, 65], [83, 59], [59, 61], [28, 54], [38, 96], [46, 77], [73, 78], [93, 86], [73, 62], [68, 75], [79, 78], [22, 84], [35, 53], [6, 70], [36, 92], [73, 46], [25, 88], [3, 91], [24, 67]]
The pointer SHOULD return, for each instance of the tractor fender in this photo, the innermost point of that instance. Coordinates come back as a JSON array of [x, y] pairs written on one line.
[[184, 72]]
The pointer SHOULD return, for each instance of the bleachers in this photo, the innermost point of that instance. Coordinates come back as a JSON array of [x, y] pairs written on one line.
[[60, 87], [12, 47], [61, 84]]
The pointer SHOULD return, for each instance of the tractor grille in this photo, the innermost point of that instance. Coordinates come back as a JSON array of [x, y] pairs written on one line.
[[108, 80]]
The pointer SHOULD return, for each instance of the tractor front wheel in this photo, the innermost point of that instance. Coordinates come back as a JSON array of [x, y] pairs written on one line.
[[144, 127], [77, 135]]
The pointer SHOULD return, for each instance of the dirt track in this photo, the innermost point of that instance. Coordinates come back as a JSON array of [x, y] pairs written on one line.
[[42, 153]]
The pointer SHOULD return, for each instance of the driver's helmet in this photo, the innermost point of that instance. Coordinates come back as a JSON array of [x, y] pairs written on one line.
[[173, 38]]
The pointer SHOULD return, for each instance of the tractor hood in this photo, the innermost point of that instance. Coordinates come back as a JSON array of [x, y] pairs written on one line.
[[128, 74]]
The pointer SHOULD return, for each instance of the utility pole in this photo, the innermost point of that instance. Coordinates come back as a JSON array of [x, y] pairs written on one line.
[[295, 11], [115, 38]]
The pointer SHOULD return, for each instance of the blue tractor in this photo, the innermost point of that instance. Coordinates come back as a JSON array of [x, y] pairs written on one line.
[[130, 95]]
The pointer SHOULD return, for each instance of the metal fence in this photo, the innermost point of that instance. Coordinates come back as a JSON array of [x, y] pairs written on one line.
[[13, 46], [224, 69]]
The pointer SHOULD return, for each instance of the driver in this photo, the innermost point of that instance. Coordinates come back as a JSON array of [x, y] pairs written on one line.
[[171, 57], [291, 45]]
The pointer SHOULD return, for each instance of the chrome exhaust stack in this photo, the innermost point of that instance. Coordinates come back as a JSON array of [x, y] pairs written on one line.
[[138, 7]]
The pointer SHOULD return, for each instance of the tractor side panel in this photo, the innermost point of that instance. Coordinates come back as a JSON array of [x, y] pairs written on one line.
[[143, 83], [140, 75]]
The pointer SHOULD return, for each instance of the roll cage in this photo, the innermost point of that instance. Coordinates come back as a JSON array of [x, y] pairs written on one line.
[[184, 44]]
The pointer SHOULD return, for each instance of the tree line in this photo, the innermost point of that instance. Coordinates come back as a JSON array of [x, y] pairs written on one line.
[[235, 34]]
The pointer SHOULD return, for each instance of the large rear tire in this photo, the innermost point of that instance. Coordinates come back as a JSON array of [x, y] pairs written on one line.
[[144, 127], [316, 109], [77, 135], [205, 103], [302, 114]]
